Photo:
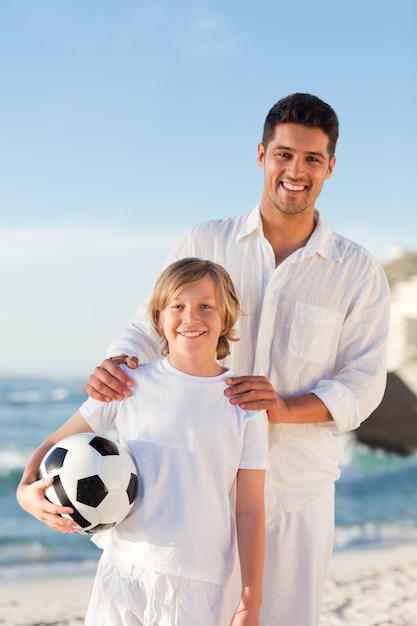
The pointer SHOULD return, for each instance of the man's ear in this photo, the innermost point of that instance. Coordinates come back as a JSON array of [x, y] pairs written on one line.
[[261, 155], [332, 163]]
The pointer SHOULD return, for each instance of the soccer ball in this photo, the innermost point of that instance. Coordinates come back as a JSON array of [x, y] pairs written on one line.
[[95, 476]]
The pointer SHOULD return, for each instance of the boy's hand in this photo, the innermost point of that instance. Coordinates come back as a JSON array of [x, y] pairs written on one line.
[[245, 617], [32, 499], [109, 382]]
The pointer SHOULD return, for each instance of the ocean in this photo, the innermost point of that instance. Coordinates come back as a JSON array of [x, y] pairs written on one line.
[[376, 497]]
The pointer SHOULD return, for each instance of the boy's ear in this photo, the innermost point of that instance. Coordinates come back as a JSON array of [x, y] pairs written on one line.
[[224, 324], [160, 319]]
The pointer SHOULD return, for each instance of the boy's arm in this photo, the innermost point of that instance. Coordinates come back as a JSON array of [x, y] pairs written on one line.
[[250, 522], [30, 491]]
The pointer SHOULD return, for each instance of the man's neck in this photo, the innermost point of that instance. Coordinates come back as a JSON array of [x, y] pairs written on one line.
[[287, 233]]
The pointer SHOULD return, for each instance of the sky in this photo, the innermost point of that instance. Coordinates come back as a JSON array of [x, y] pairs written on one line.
[[122, 124]]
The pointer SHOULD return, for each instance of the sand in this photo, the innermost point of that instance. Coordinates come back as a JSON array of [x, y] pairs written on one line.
[[365, 588], [372, 588]]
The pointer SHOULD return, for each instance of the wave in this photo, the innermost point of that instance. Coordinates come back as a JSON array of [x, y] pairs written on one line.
[[363, 462], [376, 499], [32, 396], [20, 392], [371, 534], [48, 568]]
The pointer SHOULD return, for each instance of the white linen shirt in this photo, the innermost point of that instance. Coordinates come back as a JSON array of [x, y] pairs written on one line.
[[317, 323], [188, 443]]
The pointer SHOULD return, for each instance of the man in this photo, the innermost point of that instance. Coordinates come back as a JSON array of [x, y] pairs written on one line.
[[315, 314]]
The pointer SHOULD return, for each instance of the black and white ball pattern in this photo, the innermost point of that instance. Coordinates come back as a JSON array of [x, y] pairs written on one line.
[[95, 476]]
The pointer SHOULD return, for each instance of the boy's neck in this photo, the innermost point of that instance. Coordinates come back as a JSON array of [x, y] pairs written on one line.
[[193, 367]]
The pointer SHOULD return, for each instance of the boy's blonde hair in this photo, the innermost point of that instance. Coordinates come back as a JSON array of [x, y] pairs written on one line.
[[187, 272]]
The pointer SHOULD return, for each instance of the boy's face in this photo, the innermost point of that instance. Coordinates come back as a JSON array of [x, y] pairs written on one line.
[[192, 325]]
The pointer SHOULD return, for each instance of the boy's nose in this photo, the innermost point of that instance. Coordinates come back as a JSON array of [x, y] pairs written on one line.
[[191, 314]]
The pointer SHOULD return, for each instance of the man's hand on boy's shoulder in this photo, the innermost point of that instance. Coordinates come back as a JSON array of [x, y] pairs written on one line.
[[256, 393], [109, 381]]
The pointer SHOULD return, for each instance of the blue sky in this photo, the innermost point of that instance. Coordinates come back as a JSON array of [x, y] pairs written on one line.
[[122, 124]]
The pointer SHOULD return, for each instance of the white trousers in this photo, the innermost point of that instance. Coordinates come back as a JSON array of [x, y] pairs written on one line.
[[149, 598], [299, 546]]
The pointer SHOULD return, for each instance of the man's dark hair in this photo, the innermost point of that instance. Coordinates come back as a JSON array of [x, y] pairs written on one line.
[[304, 109]]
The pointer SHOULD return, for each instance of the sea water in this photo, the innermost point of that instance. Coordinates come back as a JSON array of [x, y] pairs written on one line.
[[376, 497]]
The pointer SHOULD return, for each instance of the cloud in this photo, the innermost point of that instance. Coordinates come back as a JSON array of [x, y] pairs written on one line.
[[68, 291]]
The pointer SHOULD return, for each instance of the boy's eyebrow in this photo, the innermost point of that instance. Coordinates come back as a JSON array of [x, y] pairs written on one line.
[[203, 297]]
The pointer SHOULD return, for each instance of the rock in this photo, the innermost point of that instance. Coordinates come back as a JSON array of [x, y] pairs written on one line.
[[393, 425]]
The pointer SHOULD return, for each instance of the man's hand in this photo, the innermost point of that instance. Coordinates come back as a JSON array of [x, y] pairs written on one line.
[[255, 393], [109, 382]]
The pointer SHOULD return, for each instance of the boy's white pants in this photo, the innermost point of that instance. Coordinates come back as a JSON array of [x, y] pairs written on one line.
[[150, 598], [299, 546]]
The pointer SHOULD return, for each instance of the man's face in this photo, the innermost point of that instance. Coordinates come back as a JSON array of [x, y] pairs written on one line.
[[296, 163]]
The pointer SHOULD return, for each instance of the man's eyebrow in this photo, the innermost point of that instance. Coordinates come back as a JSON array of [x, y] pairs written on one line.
[[279, 147], [313, 153], [308, 152]]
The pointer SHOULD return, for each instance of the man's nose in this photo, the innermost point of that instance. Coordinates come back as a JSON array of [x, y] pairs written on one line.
[[295, 167]]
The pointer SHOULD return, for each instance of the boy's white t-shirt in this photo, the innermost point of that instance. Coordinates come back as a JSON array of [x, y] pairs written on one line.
[[188, 442]]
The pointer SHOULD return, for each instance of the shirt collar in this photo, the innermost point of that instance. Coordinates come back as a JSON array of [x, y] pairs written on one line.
[[322, 240], [252, 222]]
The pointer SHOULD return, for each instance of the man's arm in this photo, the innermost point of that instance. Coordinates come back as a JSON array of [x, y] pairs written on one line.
[[357, 384], [138, 343], [257, 393]]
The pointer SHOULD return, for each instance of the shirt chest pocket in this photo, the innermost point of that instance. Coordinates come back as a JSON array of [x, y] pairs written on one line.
[[314, 332]]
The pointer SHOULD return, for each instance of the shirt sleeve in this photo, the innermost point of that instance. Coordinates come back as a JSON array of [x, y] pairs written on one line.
[[255, 453], [360, 375], [99, 415], [139, 338]]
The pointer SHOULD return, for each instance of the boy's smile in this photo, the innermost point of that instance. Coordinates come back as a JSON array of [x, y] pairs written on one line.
[[192, 325]]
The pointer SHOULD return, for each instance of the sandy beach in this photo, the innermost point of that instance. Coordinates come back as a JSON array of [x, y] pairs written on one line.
[[365, 588], [372, 588]]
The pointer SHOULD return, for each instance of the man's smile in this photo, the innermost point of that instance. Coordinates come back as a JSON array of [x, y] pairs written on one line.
[[293, 187]]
